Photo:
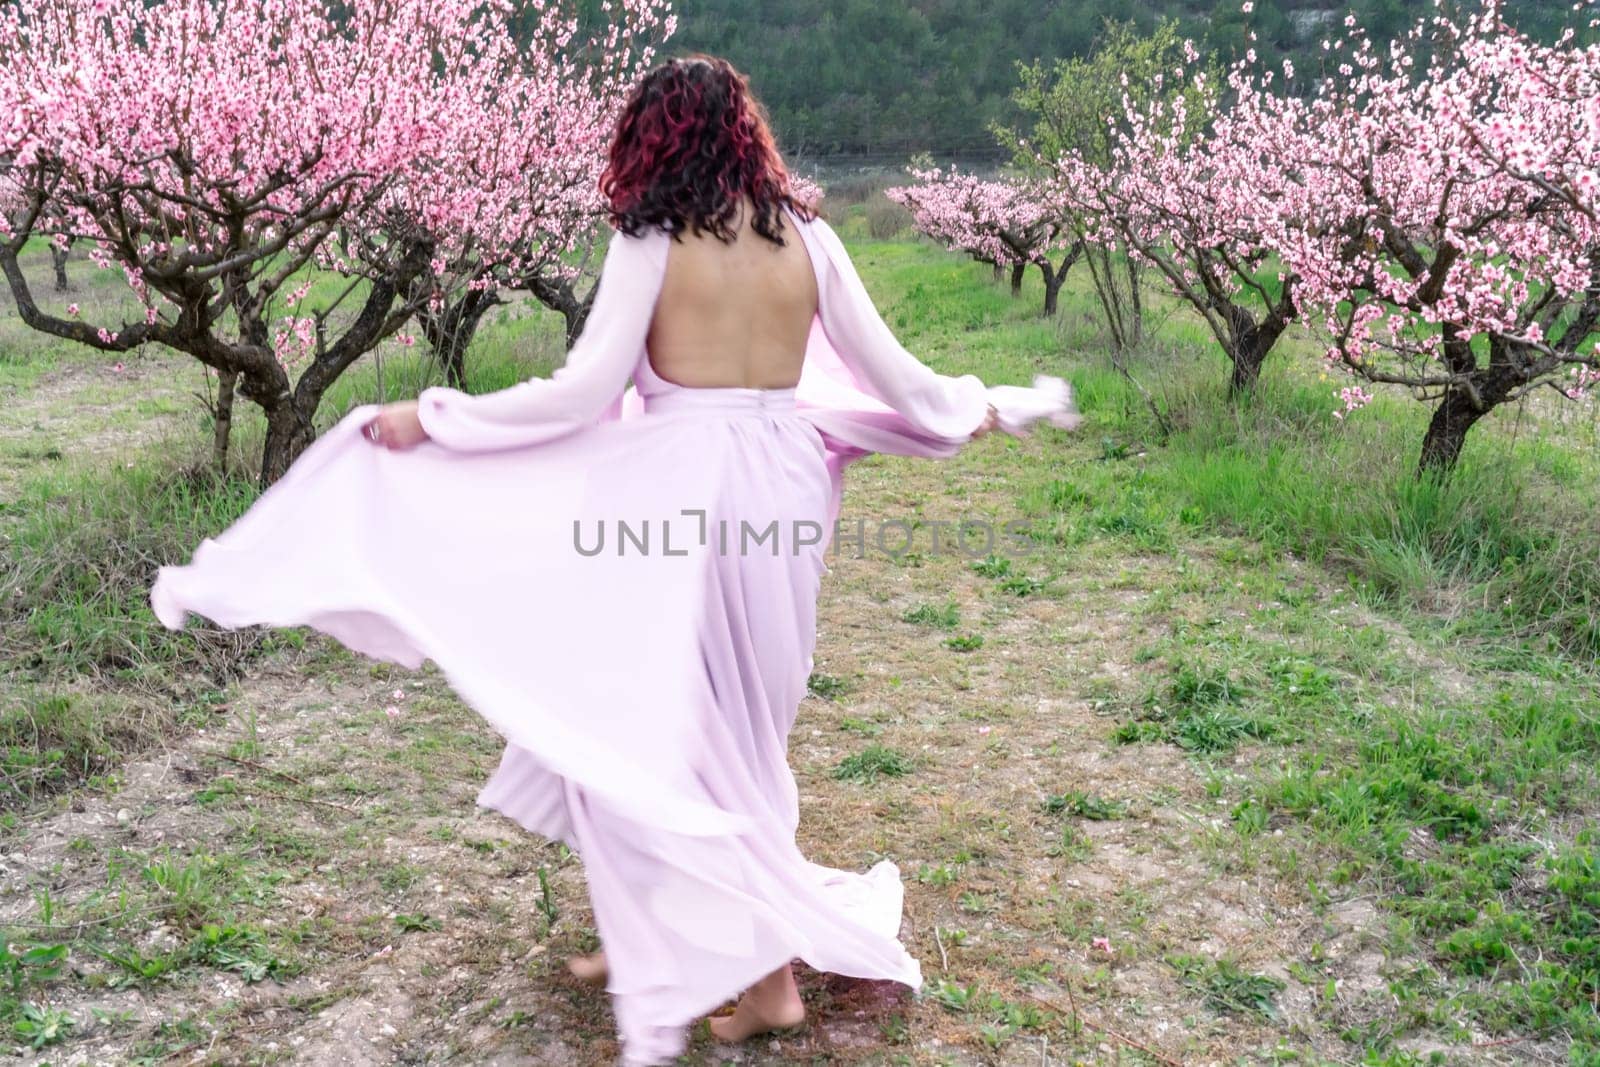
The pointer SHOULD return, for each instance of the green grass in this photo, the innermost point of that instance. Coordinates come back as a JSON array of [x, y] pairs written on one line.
[[946, 616], [1202, 708], [1502, 549], [1085, 805], [872, 763], [1438, 809], [1506, 550], [195, 897], [83, 548], [1227, 987], [1501, 561], [827, 686], [49, 741], [91, 675], [1444, 809]]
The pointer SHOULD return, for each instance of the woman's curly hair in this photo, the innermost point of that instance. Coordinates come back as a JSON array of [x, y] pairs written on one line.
[[691, 138]]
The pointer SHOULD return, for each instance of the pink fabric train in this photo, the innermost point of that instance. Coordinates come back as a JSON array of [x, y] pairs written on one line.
[[573, 555]]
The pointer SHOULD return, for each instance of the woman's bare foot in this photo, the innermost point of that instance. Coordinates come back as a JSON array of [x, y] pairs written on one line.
[[771, 1004], [591, 968]]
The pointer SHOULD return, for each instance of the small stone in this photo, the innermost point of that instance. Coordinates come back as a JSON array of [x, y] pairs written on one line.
[[124, 816]]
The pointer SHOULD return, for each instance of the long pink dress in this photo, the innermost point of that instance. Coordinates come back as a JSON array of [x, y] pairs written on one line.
[[624, 582]]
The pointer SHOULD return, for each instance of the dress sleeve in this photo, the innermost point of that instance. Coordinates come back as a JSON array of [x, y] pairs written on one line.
[[588, 388], [938, 405]]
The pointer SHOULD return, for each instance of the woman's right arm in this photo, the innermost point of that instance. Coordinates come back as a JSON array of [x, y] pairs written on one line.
[[950, 408], [953, 410]]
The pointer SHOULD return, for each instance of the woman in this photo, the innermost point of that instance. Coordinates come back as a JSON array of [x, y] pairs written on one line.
[[624, 581]]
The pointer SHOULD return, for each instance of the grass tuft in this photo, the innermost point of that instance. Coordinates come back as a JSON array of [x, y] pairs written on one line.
[[944, 616], [1228, 988], [872, 763]]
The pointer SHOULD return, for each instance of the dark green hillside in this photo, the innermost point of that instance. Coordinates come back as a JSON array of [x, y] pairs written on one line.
[[886, 78]]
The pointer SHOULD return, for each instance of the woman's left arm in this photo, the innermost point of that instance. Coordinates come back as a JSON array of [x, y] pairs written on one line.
[[541, 409]]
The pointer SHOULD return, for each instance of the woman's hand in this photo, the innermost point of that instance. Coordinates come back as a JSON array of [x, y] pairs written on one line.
[[396, 427], [990, 421]]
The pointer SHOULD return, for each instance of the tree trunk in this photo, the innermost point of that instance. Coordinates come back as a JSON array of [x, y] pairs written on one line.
[[1135, 301], [999, 273], [560, 296], [58, 259], [1053, 280], [1245, 342], [222, 421], [576, 314], [1447, 433], [1249, 344], [1121, 307], [453, 357], [1017, 271], [291, 411], [288, 435], [450, 333], [1055, 277], [1247, 360]]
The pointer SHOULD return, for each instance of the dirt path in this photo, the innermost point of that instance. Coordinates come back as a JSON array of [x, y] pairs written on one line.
[[304, 878]]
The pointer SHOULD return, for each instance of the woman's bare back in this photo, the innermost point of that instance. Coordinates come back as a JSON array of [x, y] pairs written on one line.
[[734, 314]]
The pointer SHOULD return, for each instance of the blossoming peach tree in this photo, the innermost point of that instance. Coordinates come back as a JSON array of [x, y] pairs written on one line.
[[1009, 223], [1429, 205], [507, 209], [229, 157], [1076, 106], [1201, 193], [1448, 240]]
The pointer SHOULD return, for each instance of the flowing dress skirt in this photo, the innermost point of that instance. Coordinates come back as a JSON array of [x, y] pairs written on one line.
[[633, 607]]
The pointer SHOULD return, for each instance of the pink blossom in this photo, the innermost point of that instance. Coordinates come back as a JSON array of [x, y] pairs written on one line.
[[1353, 398], [285, 136], [805, 190]]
